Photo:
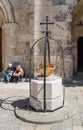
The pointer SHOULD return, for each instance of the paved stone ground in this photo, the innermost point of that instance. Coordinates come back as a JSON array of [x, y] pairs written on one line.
[[12, 91]]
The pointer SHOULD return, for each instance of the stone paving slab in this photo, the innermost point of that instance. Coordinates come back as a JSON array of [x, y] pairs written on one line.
[[11, 93], [77, 128], [19, 85]]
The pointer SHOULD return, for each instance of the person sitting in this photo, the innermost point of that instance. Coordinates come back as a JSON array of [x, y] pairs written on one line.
[[18, 74], [9, 73]]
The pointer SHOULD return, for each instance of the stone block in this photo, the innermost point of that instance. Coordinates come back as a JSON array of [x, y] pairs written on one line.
[[54, 94], [53, 88], [70, 2], [58, 2], [62, 30], [60, 12], [35, 103], [51, 104]]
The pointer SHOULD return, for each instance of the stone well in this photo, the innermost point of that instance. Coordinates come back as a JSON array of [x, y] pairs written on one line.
[[54, 93]]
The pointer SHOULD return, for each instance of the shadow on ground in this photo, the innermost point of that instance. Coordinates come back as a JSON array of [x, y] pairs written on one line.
[[22, 104], [10, 103]]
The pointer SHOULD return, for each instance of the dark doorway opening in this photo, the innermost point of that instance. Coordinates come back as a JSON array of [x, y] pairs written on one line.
[[0, 49], [80, 54]]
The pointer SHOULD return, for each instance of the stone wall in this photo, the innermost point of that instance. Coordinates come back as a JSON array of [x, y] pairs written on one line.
[[77, 31], [18, 31], [27, 15], [24, 17], [59, 12]]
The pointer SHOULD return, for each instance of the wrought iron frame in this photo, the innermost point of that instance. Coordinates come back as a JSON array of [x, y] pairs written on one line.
[[45, 43]]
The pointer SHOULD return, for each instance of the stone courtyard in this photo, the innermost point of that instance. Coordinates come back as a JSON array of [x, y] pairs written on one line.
[[19, 29], [13, 92]]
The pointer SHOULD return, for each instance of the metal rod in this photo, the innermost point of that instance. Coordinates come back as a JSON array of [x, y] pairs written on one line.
[[48, 51], [45, 44], [45, 63], [46, 26], [30, 67], [45, 74]]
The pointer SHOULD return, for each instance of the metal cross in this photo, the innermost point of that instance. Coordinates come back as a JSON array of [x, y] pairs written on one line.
[[47, 23], [46, 43]]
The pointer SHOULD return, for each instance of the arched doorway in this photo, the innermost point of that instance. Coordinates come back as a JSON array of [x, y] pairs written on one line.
[[77, 37], [0, 49], [8, 29], [80, 54]]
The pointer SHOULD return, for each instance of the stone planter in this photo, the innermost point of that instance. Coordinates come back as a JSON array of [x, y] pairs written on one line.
[[49, 71]]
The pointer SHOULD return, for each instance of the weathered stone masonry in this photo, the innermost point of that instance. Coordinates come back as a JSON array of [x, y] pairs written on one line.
[[16, 21], [60, 12], [20, 23]]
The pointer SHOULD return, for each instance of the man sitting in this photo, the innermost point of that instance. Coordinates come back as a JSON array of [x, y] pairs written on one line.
[[9, 73]]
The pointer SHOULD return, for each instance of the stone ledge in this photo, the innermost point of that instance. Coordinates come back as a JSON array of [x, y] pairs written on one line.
[[57, 116], [22, 110], [9, 25]]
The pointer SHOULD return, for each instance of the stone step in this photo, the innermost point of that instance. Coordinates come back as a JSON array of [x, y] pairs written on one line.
[[78, 79]]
